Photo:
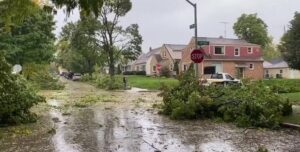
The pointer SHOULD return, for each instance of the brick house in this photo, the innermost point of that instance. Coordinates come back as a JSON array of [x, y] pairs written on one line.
[[236, 57]]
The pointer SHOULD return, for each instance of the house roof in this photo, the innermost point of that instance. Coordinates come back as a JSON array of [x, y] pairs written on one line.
[[175, 50], [226, 41], [144, 57], [278, 63]]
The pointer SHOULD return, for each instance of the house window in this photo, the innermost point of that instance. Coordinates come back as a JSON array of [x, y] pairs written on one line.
[[154, 68], [171, 67], [138, 68], [236, 52], [143, 67], [219, 50], [251, 66], [281, 71], [164, 54], [250, 50]]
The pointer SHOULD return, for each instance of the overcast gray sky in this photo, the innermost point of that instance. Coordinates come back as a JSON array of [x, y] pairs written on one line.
[[167, 21]]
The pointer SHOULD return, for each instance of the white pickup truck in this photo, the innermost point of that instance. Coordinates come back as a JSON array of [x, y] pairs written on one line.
[[221, 79]]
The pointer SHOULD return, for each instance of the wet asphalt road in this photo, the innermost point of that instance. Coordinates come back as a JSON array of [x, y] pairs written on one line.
[[131, 125]]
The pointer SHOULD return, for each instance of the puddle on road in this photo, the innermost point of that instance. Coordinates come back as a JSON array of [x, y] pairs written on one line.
[[136, 90], [59, 139]]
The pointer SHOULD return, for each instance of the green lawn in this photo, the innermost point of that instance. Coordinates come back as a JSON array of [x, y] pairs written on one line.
[[150, 83], [294, 97], [295, 117]]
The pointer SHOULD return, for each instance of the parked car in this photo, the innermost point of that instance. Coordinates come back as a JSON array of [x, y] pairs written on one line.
[[221, 79], [76, 77]]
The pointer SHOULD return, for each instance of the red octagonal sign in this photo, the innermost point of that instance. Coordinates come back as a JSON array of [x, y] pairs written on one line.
[[197, 55]]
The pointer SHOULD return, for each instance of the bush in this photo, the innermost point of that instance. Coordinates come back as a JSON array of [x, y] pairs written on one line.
[[166, 72], [41, 78], [251, 105], [106, 82], [134, 73], [16, 97], [86, 78]]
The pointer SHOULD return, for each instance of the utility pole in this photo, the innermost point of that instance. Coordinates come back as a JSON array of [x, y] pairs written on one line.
[[195, 26], [225, 30]]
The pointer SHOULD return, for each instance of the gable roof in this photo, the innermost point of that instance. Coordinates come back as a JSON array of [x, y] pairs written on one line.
[[226, 41], [144, 57], [278, 63], [175, 50]]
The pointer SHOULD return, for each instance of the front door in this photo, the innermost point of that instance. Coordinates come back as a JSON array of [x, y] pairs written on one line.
[[240, 73]]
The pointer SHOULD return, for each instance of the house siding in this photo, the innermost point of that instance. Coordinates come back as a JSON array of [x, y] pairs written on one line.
[[228, 65], [287, 73]]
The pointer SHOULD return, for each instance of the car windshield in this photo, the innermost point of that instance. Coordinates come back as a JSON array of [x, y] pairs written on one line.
[[228, 77], [217, 76]]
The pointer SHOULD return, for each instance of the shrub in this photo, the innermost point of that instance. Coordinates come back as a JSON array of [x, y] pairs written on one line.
[[41, 78], [165, 71], [86, 78], [253, 104], [16, 97], [134, 73], [106, 82]]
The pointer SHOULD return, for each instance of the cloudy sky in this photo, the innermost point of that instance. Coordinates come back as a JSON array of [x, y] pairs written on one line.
[[167, 21]]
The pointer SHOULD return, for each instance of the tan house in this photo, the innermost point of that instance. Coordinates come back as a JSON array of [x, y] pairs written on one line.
[[279, 69], [147, 62], [171, 54], [165, 56], [233, 56]]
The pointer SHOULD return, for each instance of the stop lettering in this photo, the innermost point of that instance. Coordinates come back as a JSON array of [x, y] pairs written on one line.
[[197, 55]]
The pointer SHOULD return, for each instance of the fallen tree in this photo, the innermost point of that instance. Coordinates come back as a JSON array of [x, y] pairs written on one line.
[[253, 104]]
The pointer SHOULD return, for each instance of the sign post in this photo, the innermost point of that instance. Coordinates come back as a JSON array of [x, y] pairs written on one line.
[[194, 26]]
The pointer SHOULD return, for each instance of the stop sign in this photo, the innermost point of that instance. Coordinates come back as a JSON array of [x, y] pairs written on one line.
[[197, 55]]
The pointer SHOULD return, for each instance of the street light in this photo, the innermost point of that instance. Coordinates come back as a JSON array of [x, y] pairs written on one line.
[[196, 32]]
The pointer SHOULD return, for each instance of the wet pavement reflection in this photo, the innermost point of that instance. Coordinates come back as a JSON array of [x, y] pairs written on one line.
[[132, 125]]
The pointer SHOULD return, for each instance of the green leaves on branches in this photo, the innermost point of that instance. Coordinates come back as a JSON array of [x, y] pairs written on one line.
[[253, 104]]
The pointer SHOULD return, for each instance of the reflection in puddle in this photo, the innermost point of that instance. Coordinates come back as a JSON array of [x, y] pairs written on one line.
[[59, 139]]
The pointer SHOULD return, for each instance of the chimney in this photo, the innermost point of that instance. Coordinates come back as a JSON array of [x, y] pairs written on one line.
[[150, 49]]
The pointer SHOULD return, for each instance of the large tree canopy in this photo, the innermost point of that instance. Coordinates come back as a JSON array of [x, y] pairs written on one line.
[[79, 48], [30, 42], [15, 11], [89, 6], [114, 39], [290, 43], [252, 29]]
